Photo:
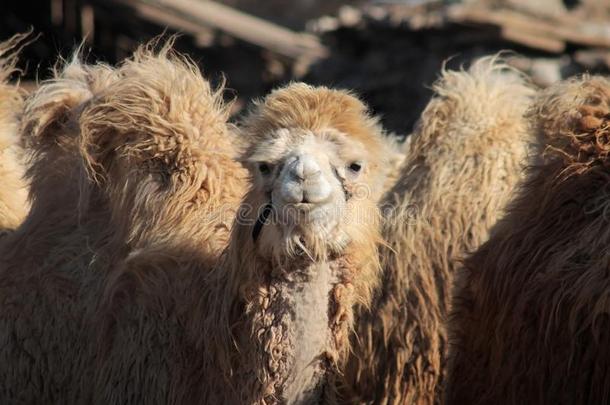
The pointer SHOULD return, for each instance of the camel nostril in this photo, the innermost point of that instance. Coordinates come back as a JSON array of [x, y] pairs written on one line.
[[311, 170], [306, 168]]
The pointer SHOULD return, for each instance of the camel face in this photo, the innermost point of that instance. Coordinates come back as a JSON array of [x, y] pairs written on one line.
[[294, 133], [315, 182]]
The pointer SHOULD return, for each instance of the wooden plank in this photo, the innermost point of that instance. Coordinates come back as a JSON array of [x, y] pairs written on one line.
[[165, 18], [248, 28], [203, 36], [519, 26], [533, 41], [593, 58], [87, 17]]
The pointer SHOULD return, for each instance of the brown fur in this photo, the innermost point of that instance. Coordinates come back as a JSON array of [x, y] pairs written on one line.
[[13, 187], [461, 165], [530, 323]]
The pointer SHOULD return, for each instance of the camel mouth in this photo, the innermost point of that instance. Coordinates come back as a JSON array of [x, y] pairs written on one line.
[[298, 218], [304, 206], [309, 207], [307, 214]]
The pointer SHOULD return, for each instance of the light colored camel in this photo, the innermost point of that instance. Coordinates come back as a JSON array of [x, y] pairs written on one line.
[[127, 163]]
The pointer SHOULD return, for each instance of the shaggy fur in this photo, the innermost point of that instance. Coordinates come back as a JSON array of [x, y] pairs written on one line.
[[116, 288], [133, 175], [530, 322], [462, 163], [13, 187]]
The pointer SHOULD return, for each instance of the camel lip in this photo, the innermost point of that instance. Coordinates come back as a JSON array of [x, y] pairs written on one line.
[[309, 211], [305, 206], [311, 206]]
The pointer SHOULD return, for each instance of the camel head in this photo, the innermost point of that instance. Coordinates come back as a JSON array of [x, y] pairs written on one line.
[[317, 163]]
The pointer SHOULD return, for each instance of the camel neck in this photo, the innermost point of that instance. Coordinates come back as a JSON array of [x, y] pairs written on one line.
[[296, 319]]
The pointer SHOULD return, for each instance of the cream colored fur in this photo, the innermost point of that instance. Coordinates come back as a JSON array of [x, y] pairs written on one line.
[[133, 174], [290, 268]]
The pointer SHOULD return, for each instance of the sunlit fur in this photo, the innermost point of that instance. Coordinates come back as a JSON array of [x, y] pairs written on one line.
[[462, 163], [530, 322], [13, 187], [134, 181]]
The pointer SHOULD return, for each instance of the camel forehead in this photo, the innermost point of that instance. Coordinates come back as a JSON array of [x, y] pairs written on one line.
[[325, 142]]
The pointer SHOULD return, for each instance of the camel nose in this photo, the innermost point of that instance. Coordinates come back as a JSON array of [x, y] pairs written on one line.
[[306, 168], [304, 182]]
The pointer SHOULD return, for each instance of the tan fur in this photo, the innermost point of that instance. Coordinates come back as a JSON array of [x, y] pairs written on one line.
[[13, 187], [462, 163], [315, 108], [530, 322]]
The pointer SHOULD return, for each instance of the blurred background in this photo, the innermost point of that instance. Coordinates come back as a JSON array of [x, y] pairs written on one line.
[[388, 51]]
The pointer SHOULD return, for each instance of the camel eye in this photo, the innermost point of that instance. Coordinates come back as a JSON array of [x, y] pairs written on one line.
[[264, 168], [355, 167]]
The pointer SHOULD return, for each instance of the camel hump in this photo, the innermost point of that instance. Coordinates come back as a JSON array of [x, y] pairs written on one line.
[[149, 114], [143, 141], [473, 107], [55, 104], [157, 117]]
